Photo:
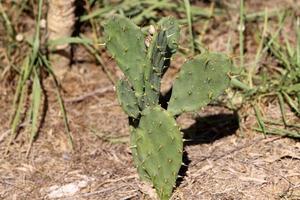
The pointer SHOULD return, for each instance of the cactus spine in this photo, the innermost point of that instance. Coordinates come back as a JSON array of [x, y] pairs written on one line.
[[156, 141]]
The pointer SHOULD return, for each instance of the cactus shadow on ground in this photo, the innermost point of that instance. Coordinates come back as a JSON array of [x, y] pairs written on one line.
[[205, 130], [165, 98], [183, 169], [210, 128]]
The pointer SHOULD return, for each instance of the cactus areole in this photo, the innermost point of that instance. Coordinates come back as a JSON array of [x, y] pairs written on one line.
[[156, 140]]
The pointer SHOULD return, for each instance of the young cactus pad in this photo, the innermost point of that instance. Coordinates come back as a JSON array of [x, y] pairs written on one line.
[[164, 44], [171, 26]]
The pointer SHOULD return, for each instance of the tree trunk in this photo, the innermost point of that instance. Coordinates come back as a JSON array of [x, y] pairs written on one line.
[[60, 24]]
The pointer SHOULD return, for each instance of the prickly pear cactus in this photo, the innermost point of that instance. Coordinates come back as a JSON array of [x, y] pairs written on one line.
[[163, 46], [125, 41], [159, 146], [144, 176], [156, 141], [127, 98], [206, 75]]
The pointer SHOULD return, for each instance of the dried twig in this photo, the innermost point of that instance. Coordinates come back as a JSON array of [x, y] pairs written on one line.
[[99, 91]]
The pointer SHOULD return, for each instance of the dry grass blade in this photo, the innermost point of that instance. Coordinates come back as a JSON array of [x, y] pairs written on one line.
[[35, 106], [8, 24], [258, 55], [282, 109], [59, 99], [30, 70], [19, 101], [291, 103], [259, 118]]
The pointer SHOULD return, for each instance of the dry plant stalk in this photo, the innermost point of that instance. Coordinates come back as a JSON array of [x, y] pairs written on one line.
[[60, 24]]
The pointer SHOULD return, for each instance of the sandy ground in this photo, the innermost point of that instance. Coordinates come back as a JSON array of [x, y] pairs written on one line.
[[222, 162]]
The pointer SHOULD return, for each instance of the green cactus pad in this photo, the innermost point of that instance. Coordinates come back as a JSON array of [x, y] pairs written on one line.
[[164, 44], [171, 26], [200, 80], [127, 99], [159, 147], [125, 42], [158, 49], [153, 74], [136, 159]]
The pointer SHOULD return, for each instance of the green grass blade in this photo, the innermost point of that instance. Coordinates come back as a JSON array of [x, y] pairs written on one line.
[[275, 35], [69, 40], [20, 85], [35, 105], [36, 41], [258, 55], [282, 110], [16, 118], [206, 23], [280, 132], [95, 53], [190, 23], [298, 97], [291, 103], [241, 32], [257, 16], [288, 45], [96, 13], [259, 118], [60, 100], [19, 101], [298, 41], [17, 115]]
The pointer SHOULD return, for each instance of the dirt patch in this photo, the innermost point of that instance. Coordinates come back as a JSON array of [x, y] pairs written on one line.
[[222, 164]]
